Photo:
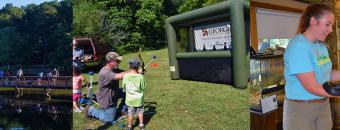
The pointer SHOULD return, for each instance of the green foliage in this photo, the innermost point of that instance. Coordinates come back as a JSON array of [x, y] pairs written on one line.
[[137, 19], [86, 18], [36, 34], [12, 47], [211, 2], [10, 15], [189, 5], [183, 40], [129, 24], [125, 24]]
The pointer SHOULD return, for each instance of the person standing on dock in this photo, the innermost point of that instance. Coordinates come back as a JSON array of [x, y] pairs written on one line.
[[20, 74], [55, 75]]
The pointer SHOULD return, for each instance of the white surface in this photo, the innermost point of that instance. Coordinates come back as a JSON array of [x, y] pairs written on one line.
[[274, 24], [211, 35], [269, 103], [172, 68]]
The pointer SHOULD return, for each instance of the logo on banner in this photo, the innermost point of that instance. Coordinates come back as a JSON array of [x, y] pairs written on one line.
[[215, 31], [205, 32], [212, 36]]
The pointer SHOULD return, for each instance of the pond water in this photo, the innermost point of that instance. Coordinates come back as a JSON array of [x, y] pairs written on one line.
[[34, 110]]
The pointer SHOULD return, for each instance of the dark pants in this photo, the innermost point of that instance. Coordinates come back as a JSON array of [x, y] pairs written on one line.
[[122, 106]]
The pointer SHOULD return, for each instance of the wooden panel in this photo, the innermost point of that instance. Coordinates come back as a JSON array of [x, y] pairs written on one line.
[[335, 106], [311, 1], [338, 58], [253, 29], [262, 122], [333, 38], [279, 115], [275, 7], [287, 3], [269, 121]]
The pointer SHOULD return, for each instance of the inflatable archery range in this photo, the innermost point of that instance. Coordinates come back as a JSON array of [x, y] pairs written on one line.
[[218, 44]]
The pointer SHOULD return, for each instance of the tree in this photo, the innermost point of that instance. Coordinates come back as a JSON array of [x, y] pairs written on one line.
[[10, 15], [12, 47], [36, 34], [129, 24]]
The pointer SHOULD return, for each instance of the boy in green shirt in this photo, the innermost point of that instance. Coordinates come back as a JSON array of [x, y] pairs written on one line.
[[134, 85]]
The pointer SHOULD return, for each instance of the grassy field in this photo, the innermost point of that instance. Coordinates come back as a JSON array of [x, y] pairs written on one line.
[[181, 104]]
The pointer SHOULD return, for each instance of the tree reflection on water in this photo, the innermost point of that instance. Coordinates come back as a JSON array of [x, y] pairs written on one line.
[[34, 112]]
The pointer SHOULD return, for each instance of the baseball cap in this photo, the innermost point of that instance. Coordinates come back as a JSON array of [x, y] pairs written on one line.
[[134, 63], [113, 56]]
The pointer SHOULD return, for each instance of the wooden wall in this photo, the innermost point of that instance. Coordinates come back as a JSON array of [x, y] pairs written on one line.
[[283, 5]]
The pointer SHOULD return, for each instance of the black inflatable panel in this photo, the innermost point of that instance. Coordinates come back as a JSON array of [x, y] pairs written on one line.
[[218, 70]]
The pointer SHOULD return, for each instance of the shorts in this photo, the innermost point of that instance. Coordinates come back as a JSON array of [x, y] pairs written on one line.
[[133, 110], [76, 96]]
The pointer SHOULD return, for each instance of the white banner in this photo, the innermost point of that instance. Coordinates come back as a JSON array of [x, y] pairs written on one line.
[[208, 36]]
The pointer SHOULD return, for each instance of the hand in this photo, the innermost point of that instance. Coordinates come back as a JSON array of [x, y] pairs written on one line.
[[141, 71]]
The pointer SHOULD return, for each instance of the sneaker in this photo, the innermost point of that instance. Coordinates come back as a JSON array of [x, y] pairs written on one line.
[[76, 110], [141, 127], [81, 108]]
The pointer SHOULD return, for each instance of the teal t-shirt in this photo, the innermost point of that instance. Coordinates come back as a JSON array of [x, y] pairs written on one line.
[[134, 86], [303, 56]]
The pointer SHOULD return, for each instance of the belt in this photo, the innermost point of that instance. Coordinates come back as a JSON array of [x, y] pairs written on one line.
[[309, 101]]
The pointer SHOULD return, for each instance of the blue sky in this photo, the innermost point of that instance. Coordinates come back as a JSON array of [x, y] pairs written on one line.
[[19, 3]]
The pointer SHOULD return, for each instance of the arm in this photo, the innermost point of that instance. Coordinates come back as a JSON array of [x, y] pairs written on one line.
[[335, 75], [309, 82], [120, 75], [87, 87]]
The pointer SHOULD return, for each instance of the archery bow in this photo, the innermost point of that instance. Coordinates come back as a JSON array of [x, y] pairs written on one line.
[[140, 58]]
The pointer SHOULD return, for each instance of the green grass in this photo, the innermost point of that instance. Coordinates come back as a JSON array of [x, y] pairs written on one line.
[[181, 104]]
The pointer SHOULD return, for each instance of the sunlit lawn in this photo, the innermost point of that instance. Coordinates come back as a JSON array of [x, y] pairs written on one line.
[[181, 104]]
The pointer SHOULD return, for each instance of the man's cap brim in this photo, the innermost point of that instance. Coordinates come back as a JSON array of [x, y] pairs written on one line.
[[120, 58]]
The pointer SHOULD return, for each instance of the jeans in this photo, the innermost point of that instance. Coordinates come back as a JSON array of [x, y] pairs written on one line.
[[103, 114], [109, 114]]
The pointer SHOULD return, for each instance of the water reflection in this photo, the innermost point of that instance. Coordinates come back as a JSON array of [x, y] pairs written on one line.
[[35, 111]]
